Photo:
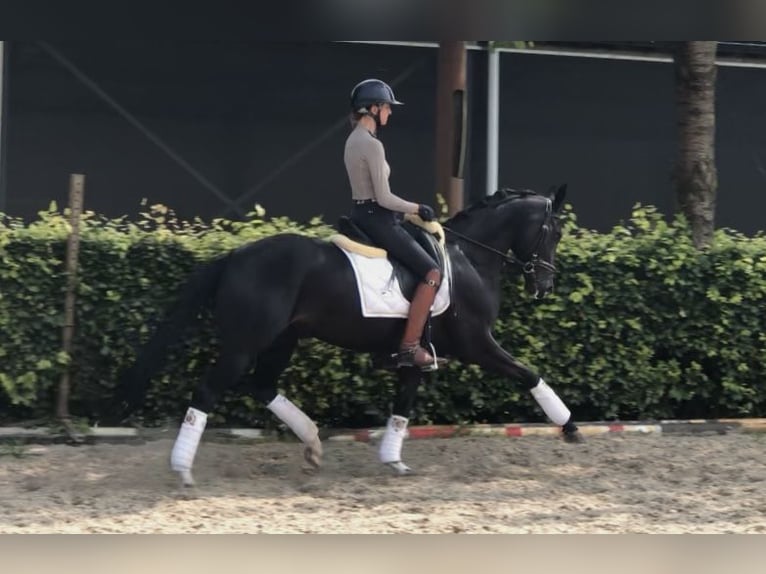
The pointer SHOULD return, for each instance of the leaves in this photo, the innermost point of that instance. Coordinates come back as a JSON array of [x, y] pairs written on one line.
[[642, 325]]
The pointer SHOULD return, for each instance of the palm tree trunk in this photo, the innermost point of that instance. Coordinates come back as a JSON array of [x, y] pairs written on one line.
[[695, 177]]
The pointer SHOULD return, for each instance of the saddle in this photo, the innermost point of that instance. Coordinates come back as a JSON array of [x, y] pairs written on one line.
[[429, 235]]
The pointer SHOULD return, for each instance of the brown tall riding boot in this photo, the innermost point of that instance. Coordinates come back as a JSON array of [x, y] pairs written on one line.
[[411, 353]]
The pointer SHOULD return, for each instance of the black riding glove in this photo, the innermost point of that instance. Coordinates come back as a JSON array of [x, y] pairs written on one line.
[[426, 213]]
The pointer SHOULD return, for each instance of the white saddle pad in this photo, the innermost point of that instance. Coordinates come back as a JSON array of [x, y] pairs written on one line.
[[379, 289]]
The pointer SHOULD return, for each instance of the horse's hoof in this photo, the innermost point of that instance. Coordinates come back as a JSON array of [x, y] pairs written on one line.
[[187, 480], [399, 468], [313, 455], [574, 437]]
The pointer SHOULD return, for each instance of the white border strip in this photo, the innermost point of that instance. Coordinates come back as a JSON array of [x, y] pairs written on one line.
[[16, 431], [569, 53]]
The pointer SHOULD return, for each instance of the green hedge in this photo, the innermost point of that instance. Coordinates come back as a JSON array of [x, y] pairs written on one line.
[[642, 326]]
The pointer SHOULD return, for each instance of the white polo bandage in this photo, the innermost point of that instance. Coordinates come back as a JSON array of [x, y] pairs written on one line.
[[185, 447], [551, 404], [391, 445], [303, 427]]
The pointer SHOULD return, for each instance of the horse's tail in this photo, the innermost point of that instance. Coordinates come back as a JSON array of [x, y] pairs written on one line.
[[198, 293]]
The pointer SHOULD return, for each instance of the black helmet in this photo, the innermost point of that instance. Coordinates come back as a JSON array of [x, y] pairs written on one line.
[[370, 92]]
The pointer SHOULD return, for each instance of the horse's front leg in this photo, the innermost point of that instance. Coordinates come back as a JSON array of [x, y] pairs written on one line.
[[491, 356], [390, 449]]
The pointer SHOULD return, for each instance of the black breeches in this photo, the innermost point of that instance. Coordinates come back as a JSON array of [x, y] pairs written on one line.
[[383, 227]]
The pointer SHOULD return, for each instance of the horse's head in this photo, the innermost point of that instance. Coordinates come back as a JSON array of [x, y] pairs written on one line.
[[519, 227], [537, 235]]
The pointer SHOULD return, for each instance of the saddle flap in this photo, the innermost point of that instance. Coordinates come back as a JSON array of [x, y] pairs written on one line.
[[431, 245], [429, 236], [381, 294]]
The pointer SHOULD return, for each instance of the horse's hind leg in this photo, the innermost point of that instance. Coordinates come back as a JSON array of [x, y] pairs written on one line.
[[234, 360], [262, 386], [390, 449]]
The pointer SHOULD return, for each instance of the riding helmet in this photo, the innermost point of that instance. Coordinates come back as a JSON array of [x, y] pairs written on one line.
[[371, 92]]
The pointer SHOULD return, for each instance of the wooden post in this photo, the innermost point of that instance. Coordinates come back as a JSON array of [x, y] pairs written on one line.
[[76, 191], [451, 118]]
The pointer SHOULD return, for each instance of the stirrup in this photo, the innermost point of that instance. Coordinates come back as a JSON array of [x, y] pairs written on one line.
[[406, 358]]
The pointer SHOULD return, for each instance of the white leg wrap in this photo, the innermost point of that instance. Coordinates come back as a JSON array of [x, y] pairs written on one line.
[[303, 427], [185, 447], [551, 404], [391, 446]]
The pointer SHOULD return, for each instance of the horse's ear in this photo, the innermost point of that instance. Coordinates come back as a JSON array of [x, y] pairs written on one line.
[[558, 197]]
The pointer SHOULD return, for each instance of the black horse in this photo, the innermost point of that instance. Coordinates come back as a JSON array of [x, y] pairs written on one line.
[[270, 293]]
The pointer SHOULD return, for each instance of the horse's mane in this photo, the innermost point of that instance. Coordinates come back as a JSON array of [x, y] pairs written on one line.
[[503, 195]]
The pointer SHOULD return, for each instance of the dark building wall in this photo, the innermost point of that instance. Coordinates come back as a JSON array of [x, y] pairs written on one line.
[[266, 122], [608, 128]]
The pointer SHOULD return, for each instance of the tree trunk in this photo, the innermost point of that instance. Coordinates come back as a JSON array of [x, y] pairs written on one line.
[[695, 176]]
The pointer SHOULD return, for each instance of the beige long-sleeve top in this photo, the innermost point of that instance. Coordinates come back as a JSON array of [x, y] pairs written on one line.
[[368, 171]]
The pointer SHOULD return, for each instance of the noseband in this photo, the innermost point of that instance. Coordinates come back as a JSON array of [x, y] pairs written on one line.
[[527, 267]]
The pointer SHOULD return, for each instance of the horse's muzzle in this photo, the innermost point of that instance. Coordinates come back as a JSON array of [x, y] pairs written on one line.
[[542, 291]]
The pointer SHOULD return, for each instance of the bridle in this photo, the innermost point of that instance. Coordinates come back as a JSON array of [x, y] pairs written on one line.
[[528, 267]]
